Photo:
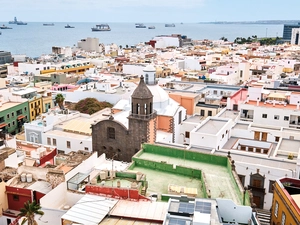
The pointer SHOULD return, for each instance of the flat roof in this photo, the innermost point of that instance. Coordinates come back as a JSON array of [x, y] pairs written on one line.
[[8, 105], [194, 119], [124, 221], [230, 114], [143, 210], [218, 178], [159, 181], [212, 126], [90, 209], [296, 198], [290, 146], [241, 126], [68, 134], [41, 186]]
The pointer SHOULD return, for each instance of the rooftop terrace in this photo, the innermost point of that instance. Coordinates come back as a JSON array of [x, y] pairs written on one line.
[[164, 166]]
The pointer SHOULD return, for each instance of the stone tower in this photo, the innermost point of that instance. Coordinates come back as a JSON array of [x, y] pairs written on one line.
[[142, 118]]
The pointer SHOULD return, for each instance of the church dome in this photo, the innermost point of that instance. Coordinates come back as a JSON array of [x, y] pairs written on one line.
[[159, 94], [149, 68], [142, 91]]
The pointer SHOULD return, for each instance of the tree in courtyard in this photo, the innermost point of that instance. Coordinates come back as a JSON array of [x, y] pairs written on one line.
[[29, 211], [91, 105], [59, 99]]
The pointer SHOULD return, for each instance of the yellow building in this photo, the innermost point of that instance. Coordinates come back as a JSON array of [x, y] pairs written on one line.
[[286, 202], [42, 89], [69, 68], [35, 107]]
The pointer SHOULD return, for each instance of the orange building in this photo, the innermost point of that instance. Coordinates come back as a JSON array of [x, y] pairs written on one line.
[[186, 100], [286, 202]]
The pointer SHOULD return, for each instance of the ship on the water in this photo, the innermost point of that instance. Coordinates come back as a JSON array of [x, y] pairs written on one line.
[[101, 27], [5, 27], [21, 23], [140, 25], [68, 26], [169, 25], [151, 27], [15, 21], [48, 24]]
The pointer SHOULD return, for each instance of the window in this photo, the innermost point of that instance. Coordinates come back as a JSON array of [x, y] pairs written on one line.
[[277, 139], [264, 116], [241, 73], [48, 141], [111, 134], [13, 123], [68, 144], [286, 118], [25, 109], [215, 92], [242, 179], [54, 141], [2, 119], [276, 209], [16, 197], [276, 117], [12, 114], [179, 117], [187, 134], [202, 112], [31, 105], [86, 148], [19, 112], [8, 125], [209, 113], [37, 68], [283, 219], [256, 183], [32, 113], [7, 116], [271, 186]]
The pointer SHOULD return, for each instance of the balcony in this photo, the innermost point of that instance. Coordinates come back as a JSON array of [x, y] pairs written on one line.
[[246, 115]]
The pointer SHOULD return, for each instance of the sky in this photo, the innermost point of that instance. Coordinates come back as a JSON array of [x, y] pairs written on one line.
[[159, 11]]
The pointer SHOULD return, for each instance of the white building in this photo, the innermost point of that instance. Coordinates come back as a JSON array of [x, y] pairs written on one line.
[[295, 40], [67, 132], [166, 41], [226, 75], [89, 44]]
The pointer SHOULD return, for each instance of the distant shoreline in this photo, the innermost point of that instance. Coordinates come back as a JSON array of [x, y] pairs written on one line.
[[270, 22]]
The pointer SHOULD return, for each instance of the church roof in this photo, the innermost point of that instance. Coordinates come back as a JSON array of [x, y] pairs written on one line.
[[142, 91]]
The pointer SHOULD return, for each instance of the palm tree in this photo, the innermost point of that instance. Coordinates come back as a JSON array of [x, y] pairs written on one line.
[[59, 98], [29, 210]]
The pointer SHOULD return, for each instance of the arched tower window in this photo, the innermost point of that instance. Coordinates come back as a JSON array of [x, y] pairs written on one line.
[[137, 108], [150, 111]]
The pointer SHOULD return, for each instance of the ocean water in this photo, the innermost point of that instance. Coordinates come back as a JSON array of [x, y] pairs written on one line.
[[35, 39]]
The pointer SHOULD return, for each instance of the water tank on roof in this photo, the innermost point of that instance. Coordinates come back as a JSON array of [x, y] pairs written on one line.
[[23, 177], [102, 175], [29, 177]]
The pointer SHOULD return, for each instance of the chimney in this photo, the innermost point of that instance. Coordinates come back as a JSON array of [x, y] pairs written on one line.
[[274, 103], [247, 100], [298, 105], [257, 102]]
